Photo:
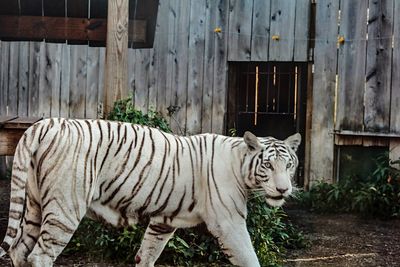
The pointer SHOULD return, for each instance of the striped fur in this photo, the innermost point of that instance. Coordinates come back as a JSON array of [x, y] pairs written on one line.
[[121, 173]]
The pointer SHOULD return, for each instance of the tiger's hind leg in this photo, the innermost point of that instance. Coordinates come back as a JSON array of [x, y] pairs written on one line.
[[56, 231], [28, 233], [154, 241]]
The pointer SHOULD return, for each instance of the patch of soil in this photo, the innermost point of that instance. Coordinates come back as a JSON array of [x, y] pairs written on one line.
[[345, 240], [335, 240]]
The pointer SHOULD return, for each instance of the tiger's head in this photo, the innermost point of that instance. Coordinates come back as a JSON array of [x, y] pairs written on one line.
[[270, 165]]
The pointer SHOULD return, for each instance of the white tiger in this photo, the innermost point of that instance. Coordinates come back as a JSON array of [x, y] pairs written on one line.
[[120, 173]]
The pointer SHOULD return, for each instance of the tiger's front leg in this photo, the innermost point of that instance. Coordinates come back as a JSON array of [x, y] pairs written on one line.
[[153, 243], [235, 242]]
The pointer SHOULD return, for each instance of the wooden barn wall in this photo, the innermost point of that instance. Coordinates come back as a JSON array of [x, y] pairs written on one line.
[[51, 79], [185, 72], [187, 68], [357, 59]]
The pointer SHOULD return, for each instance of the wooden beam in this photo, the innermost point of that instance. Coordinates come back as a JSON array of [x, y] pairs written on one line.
[[116, 74], [63, 28]]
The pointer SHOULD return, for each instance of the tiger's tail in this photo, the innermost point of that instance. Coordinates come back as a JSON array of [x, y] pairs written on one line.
[[21, 170]]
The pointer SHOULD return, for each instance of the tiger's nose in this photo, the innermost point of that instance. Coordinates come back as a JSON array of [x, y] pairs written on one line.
[[281, 190]]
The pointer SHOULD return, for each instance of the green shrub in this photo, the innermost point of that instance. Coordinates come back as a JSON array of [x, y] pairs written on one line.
[[125, 111], [377, 195], [269, 229]]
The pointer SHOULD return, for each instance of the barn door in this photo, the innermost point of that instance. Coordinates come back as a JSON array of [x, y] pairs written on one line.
[[268, 99]]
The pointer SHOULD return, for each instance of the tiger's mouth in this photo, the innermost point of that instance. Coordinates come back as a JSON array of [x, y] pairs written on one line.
[[275, 197]]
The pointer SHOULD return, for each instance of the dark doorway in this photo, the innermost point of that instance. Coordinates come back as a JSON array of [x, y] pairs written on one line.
[[268, 99]]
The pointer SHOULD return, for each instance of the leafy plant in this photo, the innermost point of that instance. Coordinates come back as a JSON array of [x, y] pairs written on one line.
[[124, 110], [377, 195], [269, 229]]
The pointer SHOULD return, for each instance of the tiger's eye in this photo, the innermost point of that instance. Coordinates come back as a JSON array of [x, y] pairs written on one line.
[[288, 165], [268, 165]]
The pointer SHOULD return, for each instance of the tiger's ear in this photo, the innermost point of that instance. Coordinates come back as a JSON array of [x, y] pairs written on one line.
[[251, 141], [293, 141]]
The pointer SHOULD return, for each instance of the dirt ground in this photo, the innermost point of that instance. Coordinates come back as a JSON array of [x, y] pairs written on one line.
[[345, 240], [335, 240]]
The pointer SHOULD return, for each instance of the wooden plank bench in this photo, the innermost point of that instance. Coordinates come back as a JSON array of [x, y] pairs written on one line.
[[11, 130]]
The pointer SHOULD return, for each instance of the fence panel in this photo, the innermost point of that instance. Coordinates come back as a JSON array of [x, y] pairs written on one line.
[[323, 97], [240, 17], [351, 68], [260, 30], [196, 65], [282, 27], [395, 100], [378, 72]]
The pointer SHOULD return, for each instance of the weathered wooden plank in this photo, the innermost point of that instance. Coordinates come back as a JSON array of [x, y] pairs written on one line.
[[208, 77], [45, 78], [4, 119], [348, 140], [36, 51], [375, 141], [102, 59], [378, 71], [116, 78], [5, 53], [92, 87], [141, 91], [196, 66], [154, 69], [301, 30], [131, 73], [64, 28], [12, 100], [308, 127], [351, 65], [56, 77], [65, 80], [260, 30], [180, 75], [162, 47], [78, 81], [50, 81], [171, 56], [240, 16], [395, 99], [220, 84], [23, 79], [152, 77], [19, 122], [322, 125], [282, 25]]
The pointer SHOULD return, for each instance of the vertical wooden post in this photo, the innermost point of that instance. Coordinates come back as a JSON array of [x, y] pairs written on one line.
[[116, 71], [323, 98]]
